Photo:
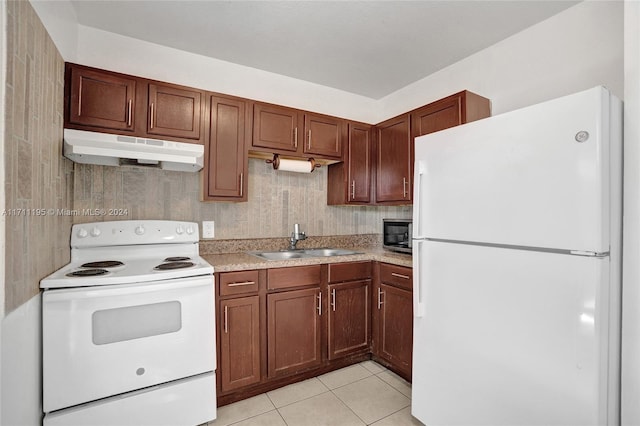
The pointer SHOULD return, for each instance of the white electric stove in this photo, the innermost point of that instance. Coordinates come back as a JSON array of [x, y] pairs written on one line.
[[129, 328]]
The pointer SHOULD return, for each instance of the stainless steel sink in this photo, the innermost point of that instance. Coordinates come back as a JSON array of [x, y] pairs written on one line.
[[302, 254]]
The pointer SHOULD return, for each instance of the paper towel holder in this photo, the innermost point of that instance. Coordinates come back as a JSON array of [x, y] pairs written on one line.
[[275, 162]]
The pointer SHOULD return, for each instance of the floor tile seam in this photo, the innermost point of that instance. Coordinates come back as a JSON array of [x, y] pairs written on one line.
[[254, 416], [406, 384], [395, 412], [348, 408], [359, 380], [300, 400]]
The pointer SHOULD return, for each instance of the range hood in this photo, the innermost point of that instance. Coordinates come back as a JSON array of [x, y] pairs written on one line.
[[117, 150]]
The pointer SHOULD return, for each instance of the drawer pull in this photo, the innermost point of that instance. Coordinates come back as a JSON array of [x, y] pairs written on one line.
[[226, 319], [239, 284], [393, 274]]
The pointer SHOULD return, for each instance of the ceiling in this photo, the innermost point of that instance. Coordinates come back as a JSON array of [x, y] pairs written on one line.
[[369, 48]]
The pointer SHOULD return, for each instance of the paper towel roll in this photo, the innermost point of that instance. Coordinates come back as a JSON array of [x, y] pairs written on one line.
[[298, 166]]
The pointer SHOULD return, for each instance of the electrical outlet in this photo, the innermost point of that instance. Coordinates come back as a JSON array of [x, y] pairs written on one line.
[[208, 229]]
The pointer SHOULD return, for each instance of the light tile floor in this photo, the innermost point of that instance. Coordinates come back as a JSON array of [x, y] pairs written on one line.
[[361, 394]]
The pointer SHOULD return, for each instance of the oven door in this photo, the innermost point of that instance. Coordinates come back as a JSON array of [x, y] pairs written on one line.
[[106, 340]]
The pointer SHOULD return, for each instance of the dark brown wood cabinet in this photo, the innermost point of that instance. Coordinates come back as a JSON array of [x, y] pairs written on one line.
[[239, 330], [294, 333], [349, 182], [226, 161], [240, 342], [287, 131], [109, 102], [349, 310], [393, 318], [100, 99], [394, 161], [174, 111], [459, 108]]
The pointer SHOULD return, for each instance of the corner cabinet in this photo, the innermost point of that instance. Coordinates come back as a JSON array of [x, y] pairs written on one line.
[[393, 318], [394, 161], [226, 164], [287, 131], [349, 182]]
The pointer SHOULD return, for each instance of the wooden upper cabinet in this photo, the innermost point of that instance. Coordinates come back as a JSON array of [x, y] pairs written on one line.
[[101, 99], [460, 108], [225, 171], [275, 127], [174, 111], [288, 131], [394, 161], [349, 182], [322, 135]]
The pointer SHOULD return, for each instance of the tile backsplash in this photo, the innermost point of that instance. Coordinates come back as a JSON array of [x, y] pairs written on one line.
[[38, 180], [276, 201]]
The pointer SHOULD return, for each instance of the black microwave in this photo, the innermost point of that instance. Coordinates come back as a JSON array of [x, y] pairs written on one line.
[[397, 234]]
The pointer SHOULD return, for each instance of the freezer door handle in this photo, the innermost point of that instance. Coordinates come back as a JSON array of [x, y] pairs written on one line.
[[418, 290]]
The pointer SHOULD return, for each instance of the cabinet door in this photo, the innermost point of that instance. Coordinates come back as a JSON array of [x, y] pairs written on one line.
[[293, 331], [349, 318], [395, 340], [359, 163], [394, 163], [275, 127], [437, 116], [239, 342], [174, 111], [102, 99], [322, 135], [226, 165]]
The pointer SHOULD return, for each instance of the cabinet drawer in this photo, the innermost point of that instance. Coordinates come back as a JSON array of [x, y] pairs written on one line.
[[238, 282], [352, 271], [398, 276], [297, 276]]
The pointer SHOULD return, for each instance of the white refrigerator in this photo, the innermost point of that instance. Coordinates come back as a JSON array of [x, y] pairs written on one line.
[[517, 263]]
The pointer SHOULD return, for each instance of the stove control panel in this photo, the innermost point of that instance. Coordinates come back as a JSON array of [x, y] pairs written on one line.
[[133, 232]]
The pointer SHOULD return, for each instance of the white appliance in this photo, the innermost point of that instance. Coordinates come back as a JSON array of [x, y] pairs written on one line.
[[517, 240], [116, 150], [128, 328]]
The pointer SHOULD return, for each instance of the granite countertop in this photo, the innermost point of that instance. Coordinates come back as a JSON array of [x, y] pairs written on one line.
[[226, 262]]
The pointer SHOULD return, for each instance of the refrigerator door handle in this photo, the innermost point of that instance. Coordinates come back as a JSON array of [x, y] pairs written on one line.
[[420, 170], [418, 290]]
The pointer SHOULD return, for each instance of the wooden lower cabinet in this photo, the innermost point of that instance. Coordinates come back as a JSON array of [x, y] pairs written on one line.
[[239, 342], [293, 329], [396, 327], [349, 318], [393, 318], [282, 325]]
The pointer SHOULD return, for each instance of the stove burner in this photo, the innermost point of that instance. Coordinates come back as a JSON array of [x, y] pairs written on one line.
[[88, 273], [176, 259], [103, 264], [174, 265]]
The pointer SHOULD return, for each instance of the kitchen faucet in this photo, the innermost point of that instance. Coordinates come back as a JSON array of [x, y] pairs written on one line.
[[296, 236]]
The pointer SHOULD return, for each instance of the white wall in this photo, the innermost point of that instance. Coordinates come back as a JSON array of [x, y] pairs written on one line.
[[631, 270], [577, 49], [111, 51], [20, 371]]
